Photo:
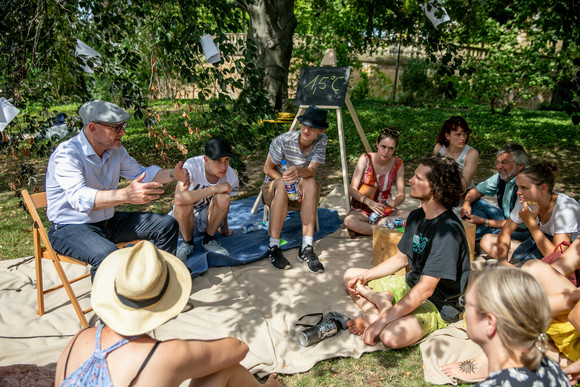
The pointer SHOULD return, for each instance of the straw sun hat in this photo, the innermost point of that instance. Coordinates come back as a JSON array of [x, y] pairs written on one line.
[[137, 289]]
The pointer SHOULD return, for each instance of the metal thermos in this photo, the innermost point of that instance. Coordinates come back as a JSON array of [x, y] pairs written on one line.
[[318, 333], [327, 327]]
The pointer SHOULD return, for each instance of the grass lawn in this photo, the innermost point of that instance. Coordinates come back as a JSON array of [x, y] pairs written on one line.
[[544, 134]]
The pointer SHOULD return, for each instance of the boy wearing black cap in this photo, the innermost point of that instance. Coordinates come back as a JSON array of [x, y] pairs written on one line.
[[304, 150], [202, 208]]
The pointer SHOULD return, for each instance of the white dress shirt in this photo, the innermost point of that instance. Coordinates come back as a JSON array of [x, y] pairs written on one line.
[[75, 173]]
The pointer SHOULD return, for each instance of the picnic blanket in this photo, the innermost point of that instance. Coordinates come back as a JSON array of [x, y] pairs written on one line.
[[253, 302], [245, 248]]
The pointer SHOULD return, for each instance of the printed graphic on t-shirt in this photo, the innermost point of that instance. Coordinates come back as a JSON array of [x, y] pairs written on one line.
[[203, 202], [419, 243]]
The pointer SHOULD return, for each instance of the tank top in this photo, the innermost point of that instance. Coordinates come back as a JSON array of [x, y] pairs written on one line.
[[383, 182], [94, 371]]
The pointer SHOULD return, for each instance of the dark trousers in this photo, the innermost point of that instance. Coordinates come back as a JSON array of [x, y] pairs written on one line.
[[486, 210], [93, 242]]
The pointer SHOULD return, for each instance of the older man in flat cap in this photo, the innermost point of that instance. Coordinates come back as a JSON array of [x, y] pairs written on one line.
[[82, 191]]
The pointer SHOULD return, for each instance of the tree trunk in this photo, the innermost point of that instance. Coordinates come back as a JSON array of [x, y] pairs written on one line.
[[272, 24]]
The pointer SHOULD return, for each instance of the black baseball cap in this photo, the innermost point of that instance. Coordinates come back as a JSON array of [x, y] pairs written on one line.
[[218, 147]]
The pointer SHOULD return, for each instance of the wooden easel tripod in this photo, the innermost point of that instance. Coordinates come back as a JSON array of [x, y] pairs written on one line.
[[330, 60]]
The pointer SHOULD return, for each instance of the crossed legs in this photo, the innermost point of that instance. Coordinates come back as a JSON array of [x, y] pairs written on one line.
[[398, 334]]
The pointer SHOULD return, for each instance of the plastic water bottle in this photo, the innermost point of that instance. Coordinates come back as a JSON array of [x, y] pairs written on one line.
[[290, 187], [395, 223], [252, 227]]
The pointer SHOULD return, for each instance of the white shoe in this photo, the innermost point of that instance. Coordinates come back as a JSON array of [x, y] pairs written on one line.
[[184, 251], [214, 246]]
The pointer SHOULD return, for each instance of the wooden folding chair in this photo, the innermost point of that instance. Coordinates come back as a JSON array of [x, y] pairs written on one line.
[[43, 249]]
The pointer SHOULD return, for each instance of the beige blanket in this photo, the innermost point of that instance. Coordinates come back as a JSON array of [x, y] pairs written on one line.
[[445, 346], [253, 302]]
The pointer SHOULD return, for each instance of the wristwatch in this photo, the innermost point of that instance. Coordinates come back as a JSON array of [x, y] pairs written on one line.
[[486, 223]]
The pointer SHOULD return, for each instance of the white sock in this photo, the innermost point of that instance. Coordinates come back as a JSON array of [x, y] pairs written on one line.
[[306, 240], [274, 242]]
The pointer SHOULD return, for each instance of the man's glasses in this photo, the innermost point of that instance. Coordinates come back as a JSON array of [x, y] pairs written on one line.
[[503, 162], [117, 128], [463, 302]]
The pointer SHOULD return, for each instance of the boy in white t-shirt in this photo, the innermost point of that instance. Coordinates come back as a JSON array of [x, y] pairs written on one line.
[[202, 209]]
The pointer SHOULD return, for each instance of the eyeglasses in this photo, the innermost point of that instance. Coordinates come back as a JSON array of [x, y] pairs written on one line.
[[503, 162], [463, 302], [117, 128]]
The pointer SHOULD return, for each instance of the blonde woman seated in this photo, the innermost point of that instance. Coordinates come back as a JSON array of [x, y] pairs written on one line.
[[378, 169], [510, 326], [563, 330], [136, 290]]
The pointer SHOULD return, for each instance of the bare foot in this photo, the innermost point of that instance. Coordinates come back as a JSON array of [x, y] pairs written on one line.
[[468, 370], [382, 300], [274, 380], [357, 326]]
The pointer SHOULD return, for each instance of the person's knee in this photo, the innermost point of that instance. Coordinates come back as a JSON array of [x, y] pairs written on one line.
[[350, 274], [309, 187], [222, 201], [394, 339], [487, 242], [534, 266], [348, 221], [182, 210]]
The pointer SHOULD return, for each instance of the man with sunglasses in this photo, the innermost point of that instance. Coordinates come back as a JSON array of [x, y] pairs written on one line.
[[82, 190], [489, 218]]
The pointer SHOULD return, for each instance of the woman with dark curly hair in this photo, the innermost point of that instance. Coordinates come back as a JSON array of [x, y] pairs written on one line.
[[399, 310], [551, 218], [452, 142]]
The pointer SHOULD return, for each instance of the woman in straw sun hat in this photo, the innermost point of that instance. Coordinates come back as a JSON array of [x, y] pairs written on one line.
[[136, 290]]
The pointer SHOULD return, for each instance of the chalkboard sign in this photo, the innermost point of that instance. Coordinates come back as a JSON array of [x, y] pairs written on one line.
[[324, 86]]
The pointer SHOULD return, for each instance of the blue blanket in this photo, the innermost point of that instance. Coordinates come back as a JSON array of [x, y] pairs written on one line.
[[244, 248]]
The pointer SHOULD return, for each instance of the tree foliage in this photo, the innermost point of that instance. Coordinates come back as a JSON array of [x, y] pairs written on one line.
[[139, 42]]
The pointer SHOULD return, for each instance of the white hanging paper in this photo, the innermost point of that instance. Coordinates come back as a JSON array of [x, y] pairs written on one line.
[[86, 52], [8, 112], [435, 6], [211, 52]]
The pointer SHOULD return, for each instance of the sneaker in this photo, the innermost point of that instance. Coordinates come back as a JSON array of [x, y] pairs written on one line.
[[184, 251], [309, 256], [214, 246], [277, 259]]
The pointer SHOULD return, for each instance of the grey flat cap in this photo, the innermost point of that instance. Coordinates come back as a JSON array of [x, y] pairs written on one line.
[[102, 111]]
